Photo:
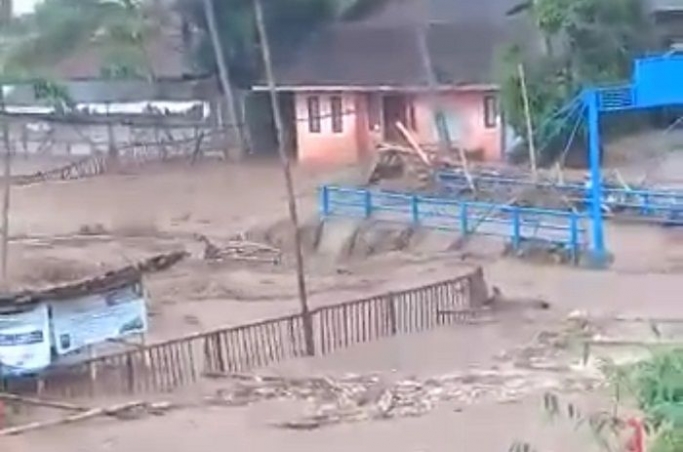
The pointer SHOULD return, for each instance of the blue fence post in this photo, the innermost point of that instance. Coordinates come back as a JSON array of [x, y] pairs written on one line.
[[325, 201], [367, 203], [415, 208], [646, 204], [463, 219], [574, 236], [516, 228]]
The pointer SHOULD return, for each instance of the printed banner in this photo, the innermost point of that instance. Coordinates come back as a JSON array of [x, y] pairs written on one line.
[[24, 341], [90, 320]]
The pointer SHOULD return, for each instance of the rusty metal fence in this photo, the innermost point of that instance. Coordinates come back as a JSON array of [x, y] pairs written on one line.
[[184, 361]]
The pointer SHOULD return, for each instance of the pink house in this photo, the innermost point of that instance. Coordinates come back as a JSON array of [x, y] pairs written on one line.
[[355, 80]]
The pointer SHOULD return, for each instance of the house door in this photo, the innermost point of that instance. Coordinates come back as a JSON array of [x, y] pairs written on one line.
[[394, 109]]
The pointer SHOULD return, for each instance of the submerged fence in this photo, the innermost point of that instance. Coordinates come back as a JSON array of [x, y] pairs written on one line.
[[173, 364]]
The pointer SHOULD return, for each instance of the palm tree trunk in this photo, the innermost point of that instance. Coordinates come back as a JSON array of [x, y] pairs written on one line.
[[112, 149], [224, 77], [289, 184]]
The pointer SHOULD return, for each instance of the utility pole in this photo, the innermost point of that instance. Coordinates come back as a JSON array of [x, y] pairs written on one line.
[[289, 184], [224, 77], [6, 12], [7, 185]]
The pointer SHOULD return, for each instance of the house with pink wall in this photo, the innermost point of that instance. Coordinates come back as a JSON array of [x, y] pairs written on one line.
[[353, 81]]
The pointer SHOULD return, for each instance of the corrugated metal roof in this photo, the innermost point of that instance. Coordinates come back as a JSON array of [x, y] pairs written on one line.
[[463, 37]]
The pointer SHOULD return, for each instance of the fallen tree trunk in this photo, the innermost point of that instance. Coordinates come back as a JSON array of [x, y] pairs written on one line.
[[94, 412], [40, 402]]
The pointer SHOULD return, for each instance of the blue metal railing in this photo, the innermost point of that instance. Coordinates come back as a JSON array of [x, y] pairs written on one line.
[[517, 224]]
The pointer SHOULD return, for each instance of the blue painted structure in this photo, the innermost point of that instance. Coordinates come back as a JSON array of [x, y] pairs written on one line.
[[516, 224], [656, 82]]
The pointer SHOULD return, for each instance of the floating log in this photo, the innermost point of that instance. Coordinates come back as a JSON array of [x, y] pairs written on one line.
[[41, 402]]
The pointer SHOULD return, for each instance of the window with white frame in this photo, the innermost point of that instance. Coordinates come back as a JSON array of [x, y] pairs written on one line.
[[313, 104], [490, 111], [337, 114]]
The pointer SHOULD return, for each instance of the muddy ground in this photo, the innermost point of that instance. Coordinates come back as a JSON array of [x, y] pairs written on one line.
[[164, 208]]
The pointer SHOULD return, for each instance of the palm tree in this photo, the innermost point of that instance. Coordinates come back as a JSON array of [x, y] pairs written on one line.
[[224, 73]]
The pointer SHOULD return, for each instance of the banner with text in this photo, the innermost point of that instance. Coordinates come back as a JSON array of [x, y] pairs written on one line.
[[94, 319], [24, 341]]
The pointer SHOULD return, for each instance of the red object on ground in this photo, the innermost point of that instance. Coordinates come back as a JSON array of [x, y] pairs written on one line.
[[637, 441]]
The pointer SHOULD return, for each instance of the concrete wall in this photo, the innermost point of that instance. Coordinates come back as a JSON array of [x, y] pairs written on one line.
[[464, 111], [327, 148]]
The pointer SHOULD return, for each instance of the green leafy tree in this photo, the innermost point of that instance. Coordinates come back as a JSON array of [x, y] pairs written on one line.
[[58, 29], [587, 42]]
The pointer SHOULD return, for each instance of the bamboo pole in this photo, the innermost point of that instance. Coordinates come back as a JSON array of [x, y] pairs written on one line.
[[529, 124], [110, 411], [289, 183], [40, 402], [7, 186]]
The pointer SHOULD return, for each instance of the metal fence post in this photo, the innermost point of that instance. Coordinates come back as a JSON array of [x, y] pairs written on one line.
[[325, 201], [574, 236], [415, 208], [367, 202], [516, 228], [463, 218]]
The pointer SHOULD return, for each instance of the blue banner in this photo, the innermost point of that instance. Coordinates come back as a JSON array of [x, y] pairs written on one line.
[[94, 319], [24, 341]]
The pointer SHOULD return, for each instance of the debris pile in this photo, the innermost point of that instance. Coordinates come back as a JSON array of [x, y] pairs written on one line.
[[357, 398], [559, 350], [240, 250]]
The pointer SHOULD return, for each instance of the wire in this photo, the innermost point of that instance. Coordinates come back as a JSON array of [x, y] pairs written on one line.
[[572, 136]]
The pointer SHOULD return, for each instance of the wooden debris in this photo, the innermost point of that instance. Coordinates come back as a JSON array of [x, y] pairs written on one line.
[[413, 143], [357, 398], [243, 250], [161, 262], [110, 280], [115, 410], [41, 402]]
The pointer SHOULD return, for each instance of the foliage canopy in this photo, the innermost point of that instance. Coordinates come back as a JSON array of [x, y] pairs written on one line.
[[587, 42]]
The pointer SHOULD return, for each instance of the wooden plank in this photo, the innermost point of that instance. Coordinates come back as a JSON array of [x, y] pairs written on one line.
[[110, 411], [413, 143], [41, 402]]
